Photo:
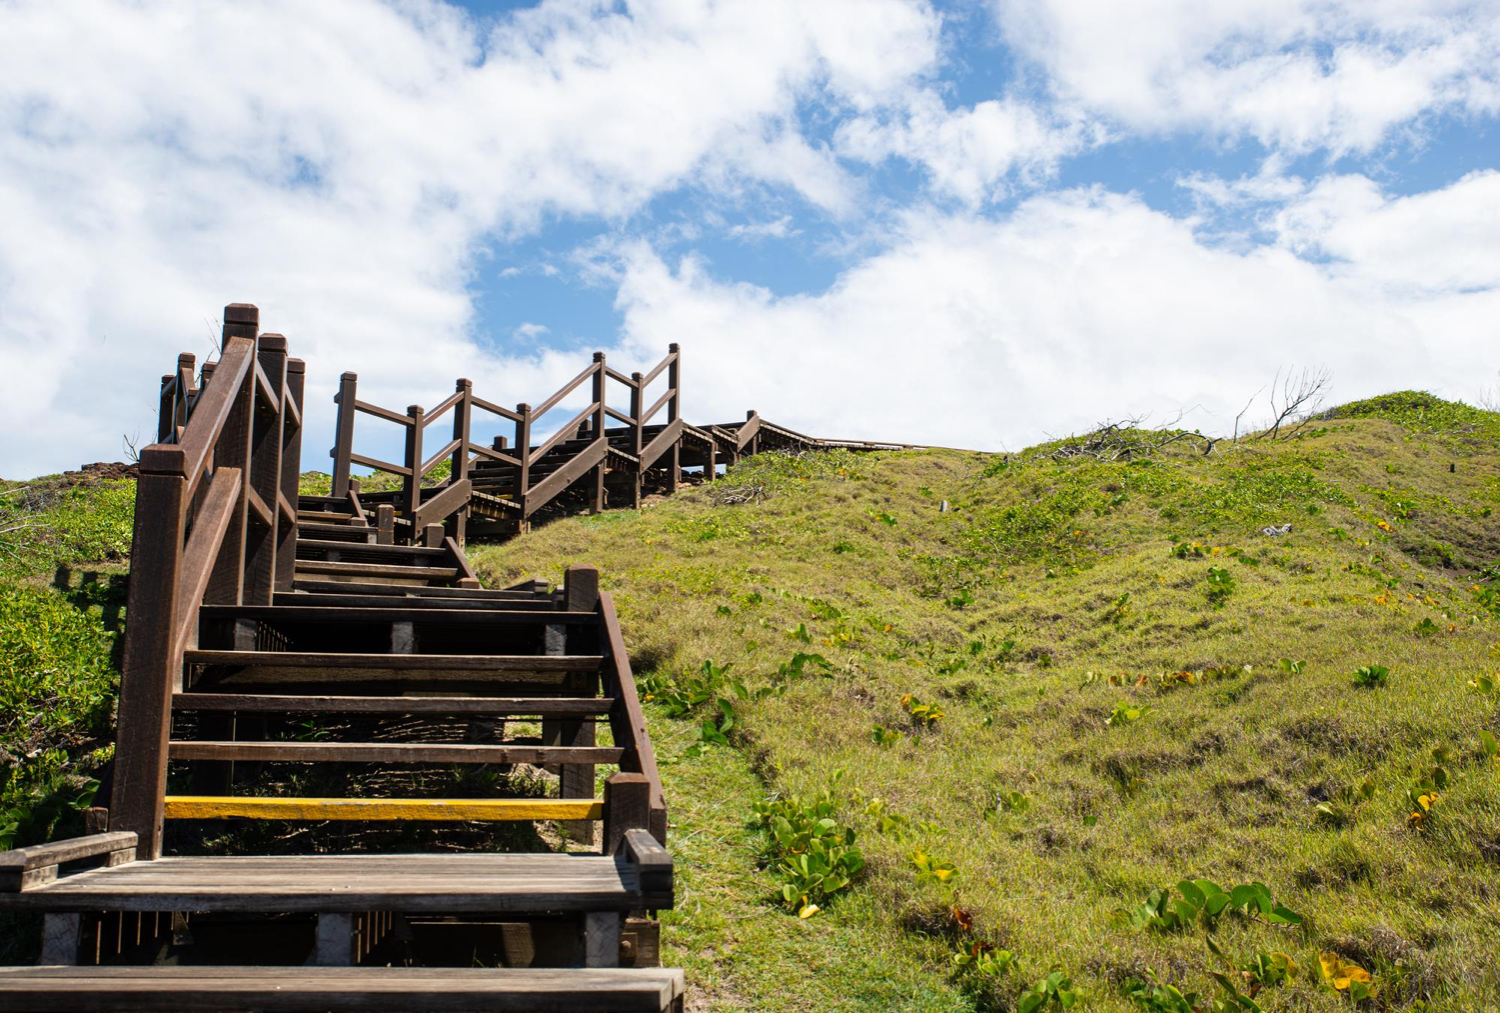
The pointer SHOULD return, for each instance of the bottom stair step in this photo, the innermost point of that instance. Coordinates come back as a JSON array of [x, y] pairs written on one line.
[[507, 990], [639, 878]]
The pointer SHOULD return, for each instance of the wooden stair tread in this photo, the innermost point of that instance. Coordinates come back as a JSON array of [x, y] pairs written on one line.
[[450, 883], [444, 810], [411, 705], [397, 662], [497, 612], [377, 570], [354, 587], [341, 989], [382, 550], [389, 752], [521, 601]]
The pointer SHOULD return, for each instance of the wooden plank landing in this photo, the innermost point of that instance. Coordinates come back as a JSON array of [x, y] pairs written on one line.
[[383, 989], [466, 882]]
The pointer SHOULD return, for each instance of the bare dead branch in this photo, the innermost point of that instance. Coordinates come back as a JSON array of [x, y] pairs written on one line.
[[1295, 398]]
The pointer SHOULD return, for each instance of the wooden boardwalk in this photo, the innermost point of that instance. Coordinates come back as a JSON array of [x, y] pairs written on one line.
[[417, 759], [609, 454]]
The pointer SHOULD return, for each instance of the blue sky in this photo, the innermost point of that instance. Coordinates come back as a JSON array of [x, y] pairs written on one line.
[[974, 223]]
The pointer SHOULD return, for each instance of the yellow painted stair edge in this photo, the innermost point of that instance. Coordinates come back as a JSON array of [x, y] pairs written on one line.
[[213, 807]]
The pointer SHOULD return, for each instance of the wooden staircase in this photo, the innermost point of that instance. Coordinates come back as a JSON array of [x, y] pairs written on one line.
[[287, 668]]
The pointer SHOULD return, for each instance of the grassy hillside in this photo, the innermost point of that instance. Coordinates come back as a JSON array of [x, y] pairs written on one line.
[[1035, 689], [1136, 686]]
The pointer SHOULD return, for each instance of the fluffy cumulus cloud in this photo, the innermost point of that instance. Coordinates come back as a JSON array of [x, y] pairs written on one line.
[[347, 164], [340, 161], [1083, 304], [1297, 75]]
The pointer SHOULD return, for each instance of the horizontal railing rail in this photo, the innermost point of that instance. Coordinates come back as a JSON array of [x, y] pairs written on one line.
[[535, 478]]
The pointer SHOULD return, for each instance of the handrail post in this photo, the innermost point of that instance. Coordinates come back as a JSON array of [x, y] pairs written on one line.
[[291, 474], [165, 409], [264, 464], [412, 493], [637, 434], [523, 454], [460, 468], [599, 432], [674, 381], [183, 407], [343, 444], [233, 450], [152, 657]]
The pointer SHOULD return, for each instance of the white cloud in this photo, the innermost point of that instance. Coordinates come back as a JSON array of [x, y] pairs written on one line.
[[1298, 75], [529, 331], [1441, 241], [1082, 305], [339, 162], [774, 228], [968, 152]]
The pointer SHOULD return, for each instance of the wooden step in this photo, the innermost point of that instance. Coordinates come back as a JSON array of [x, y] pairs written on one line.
[[440, 810], [377, 570], [341, 989], [357, 587], [390, 752], [342, 533], [492, 706], [392, 598], [496, 613], [397, 662], [448, 883], [312, 545], [324, 516]]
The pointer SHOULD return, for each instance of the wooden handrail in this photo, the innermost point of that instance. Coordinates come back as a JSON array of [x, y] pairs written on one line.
[[379, 465], [214, 516], [567, 388], [626, 720], [663, 364], [381, 413], [569, 427], [434, 413], [649, 412], [213, 407], [495, 409], [435, 459]]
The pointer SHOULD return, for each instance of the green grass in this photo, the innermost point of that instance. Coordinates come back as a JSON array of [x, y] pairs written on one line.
[[62, 598], [1050, 597], [1047, 597]]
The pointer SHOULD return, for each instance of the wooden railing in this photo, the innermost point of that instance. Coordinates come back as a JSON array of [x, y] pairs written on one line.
[[215, 523], [448, 503]]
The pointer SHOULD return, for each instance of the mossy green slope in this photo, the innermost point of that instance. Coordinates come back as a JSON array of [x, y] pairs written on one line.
[[1030, 598]]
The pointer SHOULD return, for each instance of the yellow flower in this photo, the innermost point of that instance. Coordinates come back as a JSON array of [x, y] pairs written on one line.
[[1340, 973], [807, 911]]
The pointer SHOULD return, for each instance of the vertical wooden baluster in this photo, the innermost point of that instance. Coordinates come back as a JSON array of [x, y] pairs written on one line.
[[184, 401], [412, 490], [575, 780], [261, 539], [343, 444], [674, 383], [227, 584], [637, 434], [523, 454], [291, 474], [461, 453], [599, 431], [165, 411], [152, 655]]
